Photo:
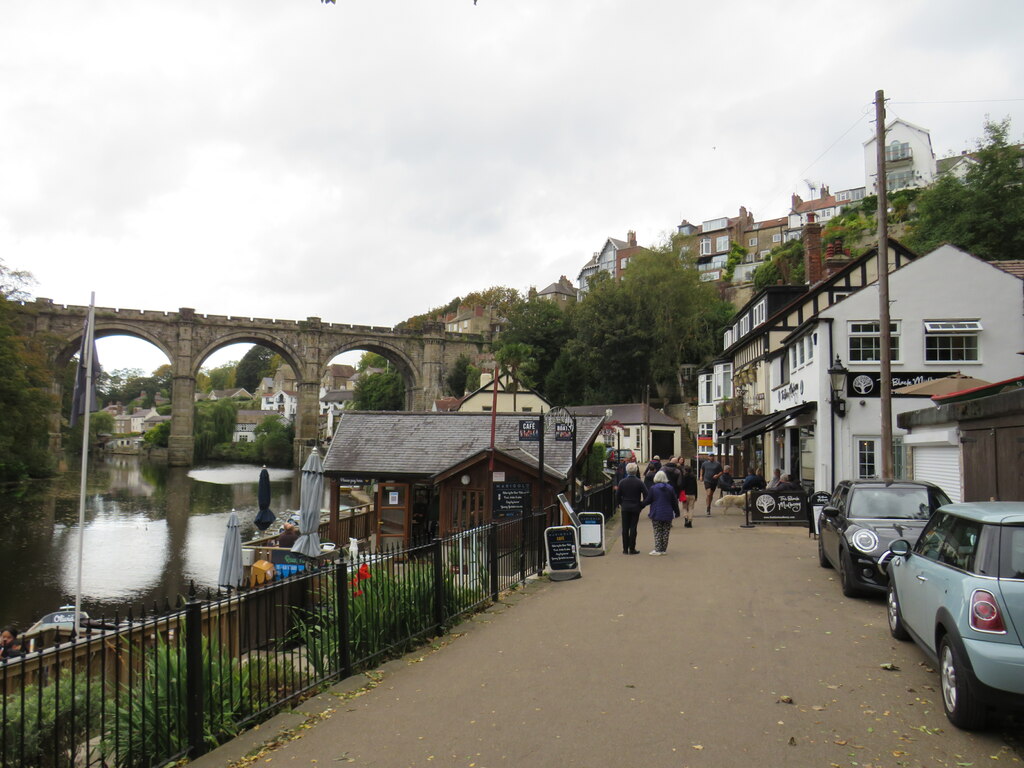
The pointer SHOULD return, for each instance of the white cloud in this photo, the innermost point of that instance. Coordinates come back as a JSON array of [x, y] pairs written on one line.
[[365, 162]]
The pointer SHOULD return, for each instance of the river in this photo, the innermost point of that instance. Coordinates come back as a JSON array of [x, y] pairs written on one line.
[[150, 531]]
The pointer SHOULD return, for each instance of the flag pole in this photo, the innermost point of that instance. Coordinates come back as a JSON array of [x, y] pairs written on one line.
[[87, 350]]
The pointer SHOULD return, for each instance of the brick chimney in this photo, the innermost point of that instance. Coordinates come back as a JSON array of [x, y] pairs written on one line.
[[812, 250], [631, 238]]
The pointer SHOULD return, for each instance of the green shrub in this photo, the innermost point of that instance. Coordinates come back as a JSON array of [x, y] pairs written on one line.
[[49, 725]]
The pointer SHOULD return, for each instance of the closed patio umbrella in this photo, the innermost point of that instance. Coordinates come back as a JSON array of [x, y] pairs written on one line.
[[231, 573], [265, 517], [311, 496]]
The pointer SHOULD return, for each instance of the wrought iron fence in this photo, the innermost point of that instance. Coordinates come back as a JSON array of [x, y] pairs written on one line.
[[152, 689]]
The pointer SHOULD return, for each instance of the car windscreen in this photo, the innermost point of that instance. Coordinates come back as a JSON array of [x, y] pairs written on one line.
[[890, 503]]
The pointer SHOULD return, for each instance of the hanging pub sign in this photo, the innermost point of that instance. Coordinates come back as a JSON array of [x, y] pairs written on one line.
[[563, 431], [511, 499], [778, 507], [562, 547], [529, 431]]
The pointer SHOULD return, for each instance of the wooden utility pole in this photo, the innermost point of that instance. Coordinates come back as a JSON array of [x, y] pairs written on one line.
[[885, 334]]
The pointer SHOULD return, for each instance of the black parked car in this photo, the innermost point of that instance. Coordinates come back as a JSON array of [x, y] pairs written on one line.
[[861, 520]]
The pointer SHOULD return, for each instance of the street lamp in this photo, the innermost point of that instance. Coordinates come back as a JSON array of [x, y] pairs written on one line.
[[837, 381]]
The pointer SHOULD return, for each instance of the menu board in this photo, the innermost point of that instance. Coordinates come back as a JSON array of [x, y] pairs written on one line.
[[511, 499], [563, 552]]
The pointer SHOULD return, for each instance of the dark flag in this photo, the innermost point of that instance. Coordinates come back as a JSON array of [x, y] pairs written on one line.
[[82, 382]]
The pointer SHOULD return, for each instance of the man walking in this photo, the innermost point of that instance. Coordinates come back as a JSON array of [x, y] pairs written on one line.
[[709, 473], [630, 494]]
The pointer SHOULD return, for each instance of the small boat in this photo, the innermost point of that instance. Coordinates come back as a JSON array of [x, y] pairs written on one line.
[[58, 626]]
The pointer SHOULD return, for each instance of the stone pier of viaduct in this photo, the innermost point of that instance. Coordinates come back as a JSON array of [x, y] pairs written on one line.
[[187, 338]]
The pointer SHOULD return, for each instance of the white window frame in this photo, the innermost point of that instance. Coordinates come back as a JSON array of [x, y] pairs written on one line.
[[723, 381], [777, 237], [705, 246], [760, 312], [721, 243], [752, 242], [704, 390], [953, 331], [864, 330], [866, 456]]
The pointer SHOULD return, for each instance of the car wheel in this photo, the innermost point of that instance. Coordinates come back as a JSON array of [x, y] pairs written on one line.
[[896, 627], [849, 586], [823, 561], [961, 704]]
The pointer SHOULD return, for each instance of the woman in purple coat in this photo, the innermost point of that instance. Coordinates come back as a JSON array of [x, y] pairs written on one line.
[[664, 506]]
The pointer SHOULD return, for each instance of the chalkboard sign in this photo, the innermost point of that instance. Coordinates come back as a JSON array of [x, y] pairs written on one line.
[[563, 552], [818, 500], [591, 533], [778, 507], [511, 499]]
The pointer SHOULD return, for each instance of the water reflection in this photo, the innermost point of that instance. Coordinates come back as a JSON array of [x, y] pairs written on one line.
[[150, 532]]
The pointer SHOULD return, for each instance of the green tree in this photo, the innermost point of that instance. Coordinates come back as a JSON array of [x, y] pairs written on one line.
[[984, 213], [544, 327], [736, 255], [159, 435], [214, 423], [566, 382], [517, 361], [380, 392], [254, 366], [785, 265], [222, 377], [455, 381], [24, 390], [274, 439]]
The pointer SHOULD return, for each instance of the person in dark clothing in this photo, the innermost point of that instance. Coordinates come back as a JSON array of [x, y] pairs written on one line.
[[754, 481], [630, 495], [10, 645], [726, 483], [709, 472], [673, 473], [787, 484], [689, 485], [664, 506], [652, 470], [288, 536]]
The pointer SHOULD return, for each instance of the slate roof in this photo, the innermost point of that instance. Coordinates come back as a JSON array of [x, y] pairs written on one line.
[[398, 445], [627, 413]]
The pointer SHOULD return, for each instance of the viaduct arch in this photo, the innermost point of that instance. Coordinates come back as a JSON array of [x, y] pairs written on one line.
[[187, 338]]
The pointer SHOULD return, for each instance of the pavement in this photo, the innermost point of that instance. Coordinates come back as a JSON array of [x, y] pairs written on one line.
[[733, 648]]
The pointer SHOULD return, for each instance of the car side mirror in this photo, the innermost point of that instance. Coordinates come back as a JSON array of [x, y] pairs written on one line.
[[830, 511], [900, 547]]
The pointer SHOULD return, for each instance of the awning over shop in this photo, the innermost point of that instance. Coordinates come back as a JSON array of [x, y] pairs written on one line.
[[771, 421]]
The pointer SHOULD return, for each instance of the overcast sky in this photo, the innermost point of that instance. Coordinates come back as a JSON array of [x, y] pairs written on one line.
[[367, 161]]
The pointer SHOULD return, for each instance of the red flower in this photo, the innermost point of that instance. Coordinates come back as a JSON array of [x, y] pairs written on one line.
[[364, 571]]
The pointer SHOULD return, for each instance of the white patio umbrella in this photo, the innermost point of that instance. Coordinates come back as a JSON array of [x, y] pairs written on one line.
[[231, 573], [311, 496]]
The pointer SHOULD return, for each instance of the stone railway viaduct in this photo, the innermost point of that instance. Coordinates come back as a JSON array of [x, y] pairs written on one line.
[[308, 346]]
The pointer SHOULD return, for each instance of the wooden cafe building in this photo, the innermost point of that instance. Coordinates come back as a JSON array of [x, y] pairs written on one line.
[[432, 472]]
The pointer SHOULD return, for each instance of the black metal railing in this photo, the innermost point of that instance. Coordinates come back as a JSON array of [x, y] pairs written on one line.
[[153, 689]]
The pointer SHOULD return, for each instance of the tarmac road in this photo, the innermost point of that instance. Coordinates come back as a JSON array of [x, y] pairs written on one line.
[[735, 649]]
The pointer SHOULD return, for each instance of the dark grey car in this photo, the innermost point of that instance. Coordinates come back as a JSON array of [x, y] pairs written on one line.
[[860, 521]]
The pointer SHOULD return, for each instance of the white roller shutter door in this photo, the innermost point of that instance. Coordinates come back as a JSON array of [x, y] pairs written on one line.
[[940, 464]]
